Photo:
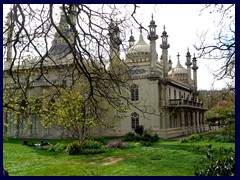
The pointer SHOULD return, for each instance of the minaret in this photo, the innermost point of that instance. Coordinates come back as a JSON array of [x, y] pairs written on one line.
[[165, 47], [131, 40], [153, 37], [64, 29], [115, 41], [169, 64], [10, 26], [194, 68], [188, 64]]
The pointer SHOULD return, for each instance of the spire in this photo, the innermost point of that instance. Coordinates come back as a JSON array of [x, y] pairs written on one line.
[[178, 55], [164, 39], [188, 58], [164, 46], [195, 67], [131, 40], [140, 28], [152, 31]]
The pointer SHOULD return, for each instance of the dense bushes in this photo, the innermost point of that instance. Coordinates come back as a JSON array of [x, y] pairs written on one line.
[[86, 147], [73, 149], [221, 136], [59, 147], [147, 139], [192, 138], [218, 162]]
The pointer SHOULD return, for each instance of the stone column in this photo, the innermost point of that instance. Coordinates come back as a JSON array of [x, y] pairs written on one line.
[[16, 126], [198, 129], [29, 118], [193, 122], [5, 121], [183, 122]]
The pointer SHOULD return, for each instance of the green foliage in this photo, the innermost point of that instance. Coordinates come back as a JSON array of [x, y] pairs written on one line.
[[146, 140], [139, 130], [91, 144], [86, 147], [59, 147], [73, 148], [224, 114], [218, 162], [97, 138], [129, 137], [193, 138]]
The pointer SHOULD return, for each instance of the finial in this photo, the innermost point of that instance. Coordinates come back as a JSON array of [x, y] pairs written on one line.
[[188, 49], [131, 32], [194, 55], [169, 57], [178, 55], [164, 27], [152, 15], [141, 28]]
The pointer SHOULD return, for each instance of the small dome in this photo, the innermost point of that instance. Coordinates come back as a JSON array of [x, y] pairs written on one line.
[[179, 69], [152, 22]]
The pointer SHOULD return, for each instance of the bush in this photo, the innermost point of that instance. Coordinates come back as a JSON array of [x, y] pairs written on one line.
[[139, 130], [117, 143], [91, 144], [130, 137], [192, 138], [223, 138], [219, 162], [73, 149], [146, 140], [59, 147], [97, 138]]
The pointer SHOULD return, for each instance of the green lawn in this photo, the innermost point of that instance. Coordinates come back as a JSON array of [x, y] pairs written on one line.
[[165, 158]]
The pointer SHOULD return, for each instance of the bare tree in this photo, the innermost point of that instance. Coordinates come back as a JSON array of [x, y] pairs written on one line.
[[44, 50], [222, 46], [84, 36]]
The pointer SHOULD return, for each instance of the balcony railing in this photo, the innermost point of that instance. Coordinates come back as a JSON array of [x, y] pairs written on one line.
[[175, 102], [39, 83]]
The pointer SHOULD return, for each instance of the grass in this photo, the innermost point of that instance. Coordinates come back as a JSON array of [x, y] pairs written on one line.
[[165, 158]]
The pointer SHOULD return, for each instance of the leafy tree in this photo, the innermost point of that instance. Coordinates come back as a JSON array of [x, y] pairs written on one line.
[[78, 113], [223, 114]]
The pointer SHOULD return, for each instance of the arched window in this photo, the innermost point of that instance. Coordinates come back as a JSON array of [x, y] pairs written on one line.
[[134, 92], [135, 120]]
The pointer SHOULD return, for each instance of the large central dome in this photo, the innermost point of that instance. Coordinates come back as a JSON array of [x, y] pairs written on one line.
[[140, 52]]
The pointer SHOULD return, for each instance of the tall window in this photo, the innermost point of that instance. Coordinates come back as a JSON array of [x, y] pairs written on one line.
[[175, 94], [134, 92], [169, 93], [135, 120], [35, 124]]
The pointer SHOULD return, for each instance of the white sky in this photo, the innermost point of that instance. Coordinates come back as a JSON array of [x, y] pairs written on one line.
[[183, 23]]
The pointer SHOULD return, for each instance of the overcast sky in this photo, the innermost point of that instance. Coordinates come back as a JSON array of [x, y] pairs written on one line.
[[183, 24]]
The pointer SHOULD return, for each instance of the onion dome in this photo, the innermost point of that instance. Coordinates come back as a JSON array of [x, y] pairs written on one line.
[[179, 69], [140, 52], [179, 73]]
